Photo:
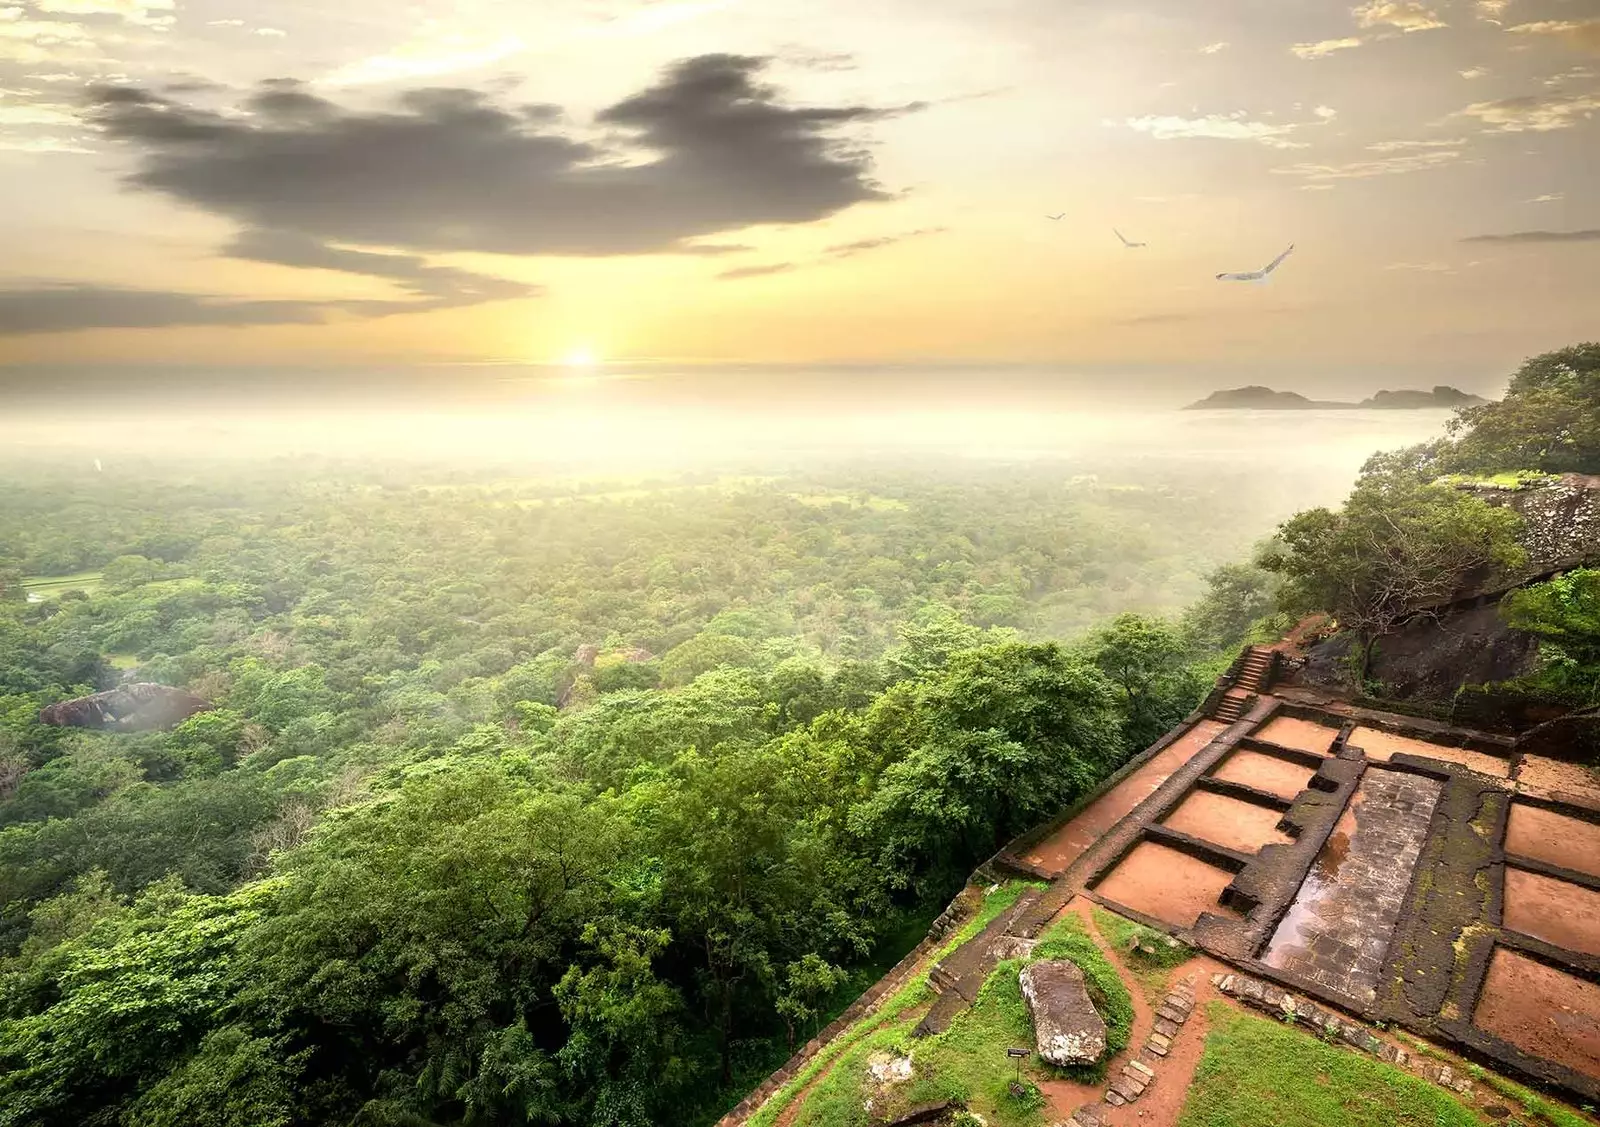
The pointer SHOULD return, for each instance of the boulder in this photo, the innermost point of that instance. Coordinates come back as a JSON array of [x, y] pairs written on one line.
[[1066, 1026], [139, 707]]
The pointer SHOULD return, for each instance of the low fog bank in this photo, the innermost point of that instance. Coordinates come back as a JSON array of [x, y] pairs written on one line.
[[1288, 459]]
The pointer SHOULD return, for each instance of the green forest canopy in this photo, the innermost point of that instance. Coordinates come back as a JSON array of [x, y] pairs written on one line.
[[389, 880]]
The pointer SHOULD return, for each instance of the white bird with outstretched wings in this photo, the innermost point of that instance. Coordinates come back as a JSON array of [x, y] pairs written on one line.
[[1256, 275], [1127, 242]]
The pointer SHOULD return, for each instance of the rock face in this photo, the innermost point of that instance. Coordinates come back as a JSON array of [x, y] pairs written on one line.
[[139, 707], [1560, 518], [1066, 1026]]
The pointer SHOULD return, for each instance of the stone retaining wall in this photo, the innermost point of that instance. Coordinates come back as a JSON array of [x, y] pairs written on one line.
[[953, 914]]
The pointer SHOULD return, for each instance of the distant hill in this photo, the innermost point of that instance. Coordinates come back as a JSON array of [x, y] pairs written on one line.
[[1441, 396], [1257, 398]]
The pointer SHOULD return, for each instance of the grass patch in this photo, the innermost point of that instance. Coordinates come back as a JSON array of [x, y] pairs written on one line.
[[122, 661], [1540, 1109], [1150, 954], [1256, 1072], [41, 588], [877, 1029], [1510, 479], [968, 1061], [1067, 939]]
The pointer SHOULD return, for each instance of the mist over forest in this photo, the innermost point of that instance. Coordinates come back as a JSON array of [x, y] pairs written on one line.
[[565, 765]]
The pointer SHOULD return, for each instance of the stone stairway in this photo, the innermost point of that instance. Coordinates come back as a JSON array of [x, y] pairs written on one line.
[[1253, 672], [1233, 705]]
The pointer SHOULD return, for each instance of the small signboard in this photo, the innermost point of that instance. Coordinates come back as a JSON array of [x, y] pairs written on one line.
[[1018, 1054]]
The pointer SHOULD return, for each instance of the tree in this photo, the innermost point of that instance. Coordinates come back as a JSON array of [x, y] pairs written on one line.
[[806, 980], [1237, 597], [1148, 661], [1548, 420], [1565, 615], [1002, 737], [1398, 548]]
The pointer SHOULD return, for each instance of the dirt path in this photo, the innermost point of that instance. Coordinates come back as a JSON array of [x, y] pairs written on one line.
[[1067, 1096], [1163, 1101]]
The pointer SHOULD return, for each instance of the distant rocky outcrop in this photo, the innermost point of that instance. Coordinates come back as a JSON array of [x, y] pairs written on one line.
[[1257, 398], [1441, 396], [1066, 1026], [139, 707]]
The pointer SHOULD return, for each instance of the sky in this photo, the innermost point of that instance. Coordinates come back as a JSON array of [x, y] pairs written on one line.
[[301, 186]]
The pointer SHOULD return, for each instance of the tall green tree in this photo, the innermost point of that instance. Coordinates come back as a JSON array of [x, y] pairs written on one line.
[[1548, 420], [1399, 547]]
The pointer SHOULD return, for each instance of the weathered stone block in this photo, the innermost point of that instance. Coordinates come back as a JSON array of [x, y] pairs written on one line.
[[1067, 1028]]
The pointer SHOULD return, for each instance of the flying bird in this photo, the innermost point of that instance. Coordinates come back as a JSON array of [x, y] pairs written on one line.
[[1256, 275], [1063, 215], [1130, 244]]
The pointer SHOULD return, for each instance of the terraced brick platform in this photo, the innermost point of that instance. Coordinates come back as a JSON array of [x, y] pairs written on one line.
[[1337, 929]]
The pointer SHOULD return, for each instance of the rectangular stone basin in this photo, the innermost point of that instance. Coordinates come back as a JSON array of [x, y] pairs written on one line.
[[1572, 783], [1225, 821], [1381, 745], [1555, 839], [1555, 911], [1337, 931], [1265, 772], [1541, 1010], [1166, 884], [1291, 731], [1068, 843]]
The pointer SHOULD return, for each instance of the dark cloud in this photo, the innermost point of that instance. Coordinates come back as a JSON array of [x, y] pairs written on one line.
[[57, 309], [1589, 235], [66, 308], [757, 271], [433, 286], [453, 170], [845, 250]]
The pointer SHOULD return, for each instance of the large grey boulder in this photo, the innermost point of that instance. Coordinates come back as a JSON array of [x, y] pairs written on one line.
[[1065, 1024]]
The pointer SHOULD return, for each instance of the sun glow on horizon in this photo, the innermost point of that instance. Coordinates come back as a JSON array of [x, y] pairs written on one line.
[[582, 356]]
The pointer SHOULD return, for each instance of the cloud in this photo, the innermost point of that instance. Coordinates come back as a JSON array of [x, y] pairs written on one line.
[[1326, 113], [1548, 197], [1490, 10], [56, 308], [818, 60], [1536, 113], [25, 40], [1584, 34], [707, 149], [224, 23], [145, 13], [67, 308], [1412, 146], [1473, 72], [1423, 267], [1218, 127], [1589, 235], [1153, 319], [1213, 48], [1407, 15], [269, 33], [1324, 47], [860, 246], [1365, 169], [434, 287], [431, 54], [757, 271]]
